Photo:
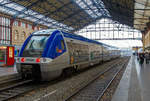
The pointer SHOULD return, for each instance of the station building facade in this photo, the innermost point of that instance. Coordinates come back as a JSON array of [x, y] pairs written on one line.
[[21, 30], [14, 32], [146, 40]]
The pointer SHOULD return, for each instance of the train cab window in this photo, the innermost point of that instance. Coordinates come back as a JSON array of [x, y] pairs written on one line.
[[35, 46]]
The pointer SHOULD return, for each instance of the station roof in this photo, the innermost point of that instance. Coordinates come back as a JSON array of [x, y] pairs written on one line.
[[141, 14], [121, 10], [72, 15], [69, 15]]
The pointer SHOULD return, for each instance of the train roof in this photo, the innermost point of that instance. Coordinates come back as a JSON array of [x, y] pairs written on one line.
[[69, 35], [45, 31], [78, 37]]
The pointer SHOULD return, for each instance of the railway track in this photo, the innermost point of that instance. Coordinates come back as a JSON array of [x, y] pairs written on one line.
[[22, 87], [15, 90], [96, 88]]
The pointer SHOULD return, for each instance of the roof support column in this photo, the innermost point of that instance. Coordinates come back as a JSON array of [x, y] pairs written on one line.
[[11, 24]]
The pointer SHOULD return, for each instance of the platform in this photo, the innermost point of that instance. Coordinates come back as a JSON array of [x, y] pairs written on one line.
[[7, 70], [135, 83], [8, 74]]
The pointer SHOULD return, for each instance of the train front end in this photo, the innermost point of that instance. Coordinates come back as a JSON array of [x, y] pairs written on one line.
[[34, 58]]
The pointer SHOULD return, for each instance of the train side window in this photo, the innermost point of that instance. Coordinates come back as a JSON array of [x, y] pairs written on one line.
[[62, 45]]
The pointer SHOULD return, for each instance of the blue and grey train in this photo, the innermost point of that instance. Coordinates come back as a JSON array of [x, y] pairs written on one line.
[[46, 54]]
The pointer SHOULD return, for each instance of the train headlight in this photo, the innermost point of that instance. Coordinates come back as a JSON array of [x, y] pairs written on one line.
[[22, 59], [38, 60]]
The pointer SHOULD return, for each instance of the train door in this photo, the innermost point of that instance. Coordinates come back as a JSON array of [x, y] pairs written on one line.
[[71, 51]]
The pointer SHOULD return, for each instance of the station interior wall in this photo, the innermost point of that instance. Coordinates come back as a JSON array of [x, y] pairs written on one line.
[[146, 41], [5, 30], [15, 32], [19, 34]]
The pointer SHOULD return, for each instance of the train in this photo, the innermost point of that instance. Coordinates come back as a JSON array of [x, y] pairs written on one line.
[[47, 54]]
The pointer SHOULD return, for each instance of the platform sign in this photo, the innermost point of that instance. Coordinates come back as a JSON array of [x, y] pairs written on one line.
[[10, 52], [10, 55]]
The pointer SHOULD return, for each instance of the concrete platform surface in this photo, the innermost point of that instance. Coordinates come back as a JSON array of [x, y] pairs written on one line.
[[8, 74], [135, 83], [4, 71]]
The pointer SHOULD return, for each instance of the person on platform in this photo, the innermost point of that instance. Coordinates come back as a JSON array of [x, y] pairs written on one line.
[[147, 57], [141, 57]]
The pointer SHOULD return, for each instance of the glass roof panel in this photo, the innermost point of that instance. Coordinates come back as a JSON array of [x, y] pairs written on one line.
[[10, 12], [30, 12], [15, 6], [95, 8], [39, 16], [6, 10], [21, 15], [107, 29]]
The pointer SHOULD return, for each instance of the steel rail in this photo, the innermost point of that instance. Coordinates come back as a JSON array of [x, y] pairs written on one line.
[[12, 91], [98, 99], [95, 78]]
